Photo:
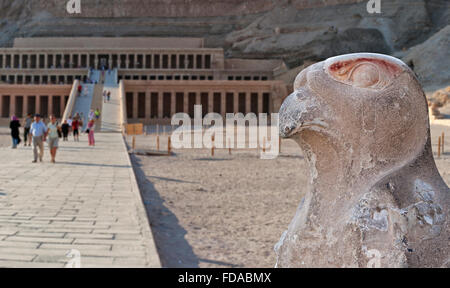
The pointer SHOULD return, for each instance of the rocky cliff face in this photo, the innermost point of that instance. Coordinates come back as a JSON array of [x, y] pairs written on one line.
[[295, 30]]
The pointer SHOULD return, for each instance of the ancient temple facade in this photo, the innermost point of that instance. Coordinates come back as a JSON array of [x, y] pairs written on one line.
[[159, 76]]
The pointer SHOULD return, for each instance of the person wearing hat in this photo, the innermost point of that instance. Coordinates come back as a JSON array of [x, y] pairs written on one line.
[[38, 132]]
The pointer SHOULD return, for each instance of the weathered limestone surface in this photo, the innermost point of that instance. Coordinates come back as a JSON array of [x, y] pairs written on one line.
[[375, 196]]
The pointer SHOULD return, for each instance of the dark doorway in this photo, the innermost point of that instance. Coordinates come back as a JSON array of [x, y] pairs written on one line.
[[180, 102], [154, 105], [141, 105], [167, 104], [19, 106], [6, 102], [129, 98], [191, 101], [205, 103], [230, 102], [56, 106], [254, 103], [31, 109], [242, 103], [44, 106], [218, 103]]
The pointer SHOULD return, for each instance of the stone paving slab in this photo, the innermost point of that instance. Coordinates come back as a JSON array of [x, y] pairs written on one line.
[[89, 201]]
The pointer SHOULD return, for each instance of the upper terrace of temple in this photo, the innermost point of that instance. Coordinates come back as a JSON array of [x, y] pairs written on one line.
[[108, 42], [38, 60]]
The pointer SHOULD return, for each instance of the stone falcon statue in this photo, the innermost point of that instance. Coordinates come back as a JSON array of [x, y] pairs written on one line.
[[375, 197]]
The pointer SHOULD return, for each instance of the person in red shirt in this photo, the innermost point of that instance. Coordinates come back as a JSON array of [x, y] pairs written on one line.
[[75, 127]]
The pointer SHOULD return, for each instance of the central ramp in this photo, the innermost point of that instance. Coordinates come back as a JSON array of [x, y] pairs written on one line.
[[111, 120], [88, 203]]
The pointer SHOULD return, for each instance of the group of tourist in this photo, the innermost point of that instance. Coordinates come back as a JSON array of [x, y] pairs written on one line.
[[36, 131]]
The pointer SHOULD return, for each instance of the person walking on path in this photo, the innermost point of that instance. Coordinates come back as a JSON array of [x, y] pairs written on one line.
[[39, 133], [90, 131], [26, 129], [14, 125], [108, 96], [65, 130], [97, 114], [75, 129], [53, 137]]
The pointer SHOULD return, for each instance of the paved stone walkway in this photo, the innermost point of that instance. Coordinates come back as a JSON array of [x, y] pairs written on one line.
[[89, 201]]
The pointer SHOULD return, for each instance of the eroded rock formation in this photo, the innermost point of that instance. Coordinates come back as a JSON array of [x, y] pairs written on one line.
[[375, 196]]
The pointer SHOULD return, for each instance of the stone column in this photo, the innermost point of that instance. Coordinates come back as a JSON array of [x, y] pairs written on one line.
[[223, 107], [173, 103], [38, 61], [46, 60], [153, 61], [50, 105], [248, 102], [260, 102], [198, 98], [135, 106], [12, 105], [25, 106], [127, 61], [160, 104], [144, 61], [148, 107], [110, 61], [1, 104], [236, 102], [210, 102], [186, 102], [96, 61], [38, 104], [195, 61]]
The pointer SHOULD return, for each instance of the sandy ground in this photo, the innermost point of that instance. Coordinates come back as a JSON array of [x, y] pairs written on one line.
[[226, 211], [5, 138]]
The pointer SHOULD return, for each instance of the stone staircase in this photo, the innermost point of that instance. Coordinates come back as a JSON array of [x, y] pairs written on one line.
[[83, 103]]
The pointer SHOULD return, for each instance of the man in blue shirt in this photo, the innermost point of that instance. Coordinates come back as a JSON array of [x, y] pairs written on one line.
[[38, 131]]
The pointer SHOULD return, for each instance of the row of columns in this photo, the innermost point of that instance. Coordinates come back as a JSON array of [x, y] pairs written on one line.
[[37, 108], [123, 61], [40, 79], [198, 101]]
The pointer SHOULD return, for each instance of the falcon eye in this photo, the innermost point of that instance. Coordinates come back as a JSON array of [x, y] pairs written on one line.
[[365, 72], [364, 76]]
